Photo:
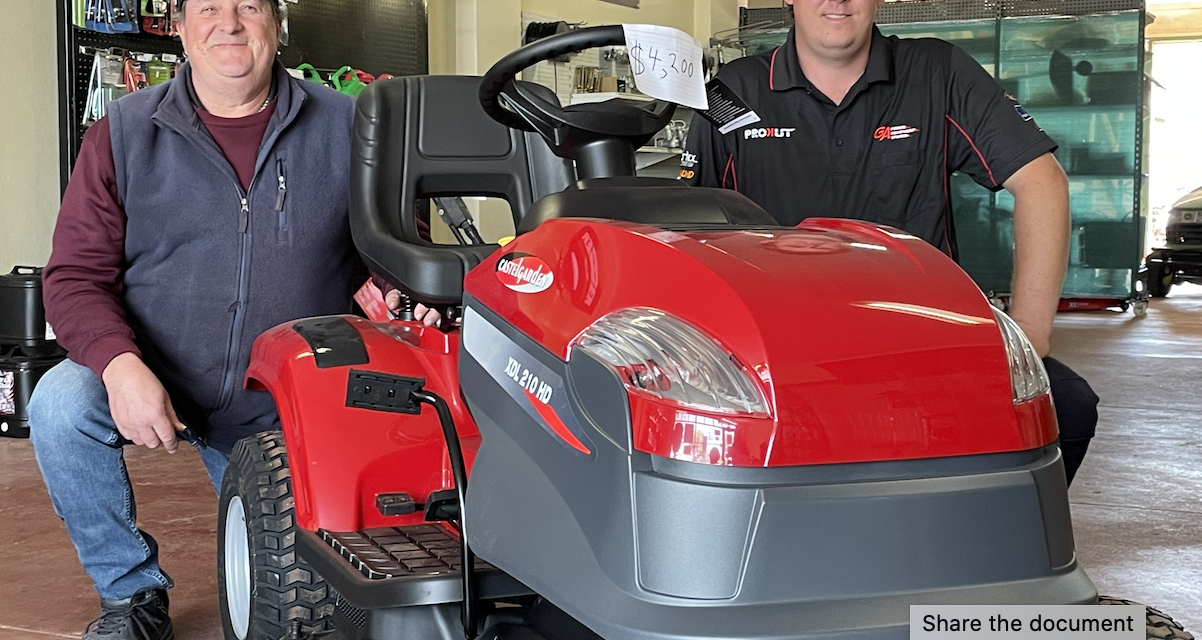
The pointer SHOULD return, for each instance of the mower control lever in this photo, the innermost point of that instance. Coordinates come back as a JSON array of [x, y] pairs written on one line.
[[454, 214]]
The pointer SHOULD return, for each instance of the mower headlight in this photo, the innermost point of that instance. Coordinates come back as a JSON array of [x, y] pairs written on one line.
[[1028, 378], [662, 356]]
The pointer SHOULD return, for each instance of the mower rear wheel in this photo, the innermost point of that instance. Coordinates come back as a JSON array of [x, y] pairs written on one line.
[[262, 583], [1160, 626]]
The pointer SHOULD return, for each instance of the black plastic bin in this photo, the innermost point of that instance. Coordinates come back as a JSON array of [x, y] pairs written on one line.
[[22, 316], [18, 375]]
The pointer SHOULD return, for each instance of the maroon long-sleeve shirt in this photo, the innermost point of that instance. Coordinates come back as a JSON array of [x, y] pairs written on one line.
[[82, 283]]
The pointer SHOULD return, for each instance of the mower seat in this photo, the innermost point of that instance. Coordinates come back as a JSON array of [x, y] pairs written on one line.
[[422, 137], [658, 202]]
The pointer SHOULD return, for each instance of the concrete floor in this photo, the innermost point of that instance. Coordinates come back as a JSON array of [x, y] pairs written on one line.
[[1135, 503]]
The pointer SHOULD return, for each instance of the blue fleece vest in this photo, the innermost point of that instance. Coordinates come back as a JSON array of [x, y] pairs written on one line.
[[208, 267]]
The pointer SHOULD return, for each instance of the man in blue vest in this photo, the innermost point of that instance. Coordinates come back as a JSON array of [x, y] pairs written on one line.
[[200, 213]]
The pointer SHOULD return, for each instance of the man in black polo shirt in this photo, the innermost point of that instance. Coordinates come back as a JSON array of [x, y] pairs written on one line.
[[857, 125]]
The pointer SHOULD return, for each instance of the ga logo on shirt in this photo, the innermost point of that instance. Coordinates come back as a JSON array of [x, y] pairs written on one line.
[[896, 132]]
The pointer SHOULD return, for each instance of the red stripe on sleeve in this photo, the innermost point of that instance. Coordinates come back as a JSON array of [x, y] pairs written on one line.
[[974, 148], [772, 70], [730, 171]]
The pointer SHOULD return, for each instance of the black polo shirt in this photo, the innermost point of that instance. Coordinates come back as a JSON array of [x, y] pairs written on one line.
[[922, 109]]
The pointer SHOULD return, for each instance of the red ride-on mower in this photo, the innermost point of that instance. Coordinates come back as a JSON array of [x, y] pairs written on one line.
[[663, 415]]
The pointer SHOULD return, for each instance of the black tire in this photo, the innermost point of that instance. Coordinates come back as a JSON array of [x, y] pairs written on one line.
[[1160, 626], [1158, 281], [268, 583]]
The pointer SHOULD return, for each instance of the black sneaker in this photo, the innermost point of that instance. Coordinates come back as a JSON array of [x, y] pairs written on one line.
[[142, 617]]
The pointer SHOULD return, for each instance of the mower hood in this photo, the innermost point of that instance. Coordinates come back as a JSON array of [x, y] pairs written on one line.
[[868, 343]]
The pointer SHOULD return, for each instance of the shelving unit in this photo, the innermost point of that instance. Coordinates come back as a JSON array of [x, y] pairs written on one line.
[[1077, 68]]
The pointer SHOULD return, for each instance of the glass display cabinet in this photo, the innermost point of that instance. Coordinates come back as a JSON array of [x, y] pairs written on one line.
[[1077, 66]]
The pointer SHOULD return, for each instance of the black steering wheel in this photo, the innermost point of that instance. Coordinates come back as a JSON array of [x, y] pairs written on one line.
[[600, 137]]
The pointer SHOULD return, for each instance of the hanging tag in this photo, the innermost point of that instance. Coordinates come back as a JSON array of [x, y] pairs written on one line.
[[371, 300], [666, 63], [727, 110], [112, 70]]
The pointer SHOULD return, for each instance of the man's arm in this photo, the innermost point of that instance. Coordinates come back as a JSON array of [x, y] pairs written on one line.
[[82, 287], [82, 283], [993, 139], [1041, 241]]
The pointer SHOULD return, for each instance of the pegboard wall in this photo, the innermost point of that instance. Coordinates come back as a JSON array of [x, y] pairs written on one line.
[[558, 76], [757, 16], [377, 36], [906, 11], [75, 73], [937, 11]]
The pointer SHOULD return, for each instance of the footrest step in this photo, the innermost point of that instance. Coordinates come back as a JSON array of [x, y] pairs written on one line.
[[388, 552]]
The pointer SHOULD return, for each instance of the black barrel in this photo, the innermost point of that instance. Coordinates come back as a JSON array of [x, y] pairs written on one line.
[[22, 316]]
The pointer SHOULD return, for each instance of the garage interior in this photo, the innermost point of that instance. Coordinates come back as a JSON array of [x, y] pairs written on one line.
[[1136, 514], [1135, 504]]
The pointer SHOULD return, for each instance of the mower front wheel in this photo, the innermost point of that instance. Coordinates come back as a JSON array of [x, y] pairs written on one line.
[[262, 583], [1160, 626]]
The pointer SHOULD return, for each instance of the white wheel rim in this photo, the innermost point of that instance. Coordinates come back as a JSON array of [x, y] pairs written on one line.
[[237, 567]]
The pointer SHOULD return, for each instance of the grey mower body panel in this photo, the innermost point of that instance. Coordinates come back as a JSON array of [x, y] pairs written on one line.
[[639, 547]]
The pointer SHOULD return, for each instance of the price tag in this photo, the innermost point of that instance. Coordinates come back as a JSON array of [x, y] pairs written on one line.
[[666, 64]]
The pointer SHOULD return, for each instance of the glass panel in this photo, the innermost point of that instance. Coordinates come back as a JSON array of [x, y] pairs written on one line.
[[1079, 78], [1071, 60], [978, 38], [984, 238], [1094, 140]]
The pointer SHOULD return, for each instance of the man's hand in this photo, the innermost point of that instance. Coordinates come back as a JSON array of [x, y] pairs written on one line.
[[426, 315], [139, 404], [1041, 238], [1041, 338], [421, 312]]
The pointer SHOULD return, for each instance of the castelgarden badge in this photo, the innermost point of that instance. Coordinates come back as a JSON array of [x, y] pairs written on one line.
[[524, 273]]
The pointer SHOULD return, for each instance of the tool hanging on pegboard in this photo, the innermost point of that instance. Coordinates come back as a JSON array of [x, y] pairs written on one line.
[[111, 16], [346, 79], [156, 17], [116, 73]]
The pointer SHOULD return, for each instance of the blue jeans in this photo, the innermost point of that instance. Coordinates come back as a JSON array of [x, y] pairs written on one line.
[[78, 450]]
